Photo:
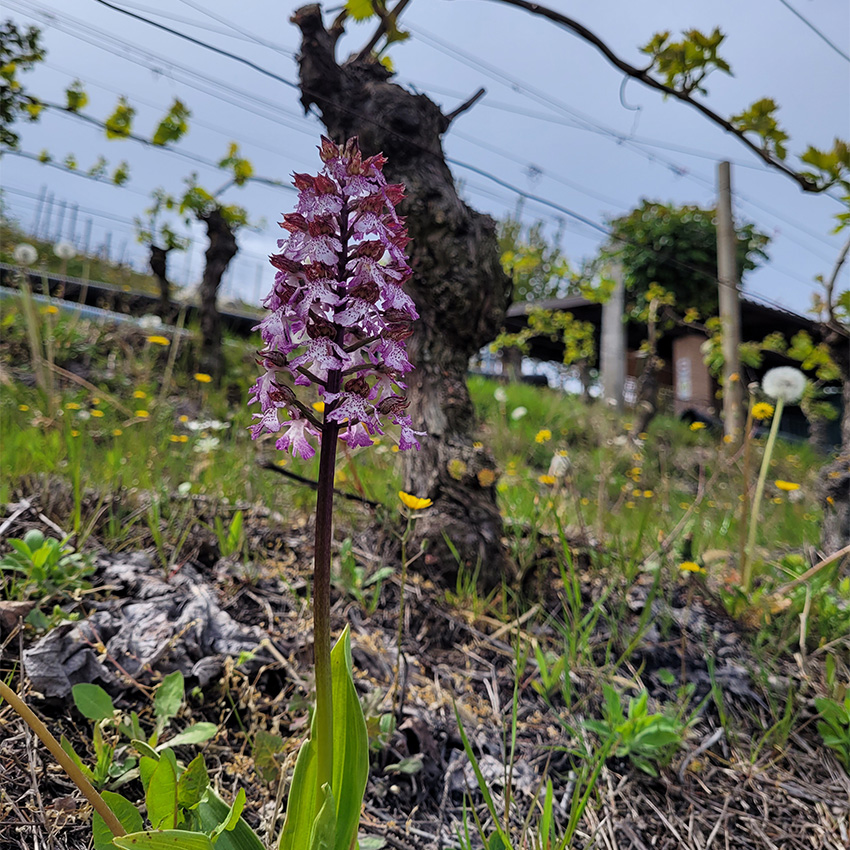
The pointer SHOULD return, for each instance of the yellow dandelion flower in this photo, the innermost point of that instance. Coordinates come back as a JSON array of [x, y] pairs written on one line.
[[97, 414], [684, 505], [627, 426], [643, 435], [202, 377], [140, 394], [486, 477], [543, 436], [762, 410], [635, 472], [72, 405], [414, 502], [75, 433], [282, 462], [95, 401], [117, 432], [786, 486], [690, 567], [478, 445], [648, 494], [777, 500], [585, 501], [636, 491], [562, 453], [184, 419], [23, 408], [630, 504], [547, 479], [830, 500], [394, 449], [50, 310], [727, 438], [175, 438], [319, 406], [142, 414], [697, 426], [159, 340]]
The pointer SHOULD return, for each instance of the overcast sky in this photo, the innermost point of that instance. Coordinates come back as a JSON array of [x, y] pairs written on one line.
[[554, 122]]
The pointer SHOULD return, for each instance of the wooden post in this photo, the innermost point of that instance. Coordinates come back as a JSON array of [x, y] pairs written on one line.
[[612, 357], [730, 307]]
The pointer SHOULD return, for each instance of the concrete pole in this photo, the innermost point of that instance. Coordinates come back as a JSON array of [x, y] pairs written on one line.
[[612, 357], [730, 307]]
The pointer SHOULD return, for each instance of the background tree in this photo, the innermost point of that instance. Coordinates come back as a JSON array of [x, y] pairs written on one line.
[[676, 248], [459, 288], [536, 266]]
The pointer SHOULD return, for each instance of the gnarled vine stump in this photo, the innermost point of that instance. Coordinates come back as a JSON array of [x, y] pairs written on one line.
[[458, 285]]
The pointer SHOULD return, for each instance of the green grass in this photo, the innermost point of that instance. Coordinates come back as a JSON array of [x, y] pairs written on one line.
[[121, 447]]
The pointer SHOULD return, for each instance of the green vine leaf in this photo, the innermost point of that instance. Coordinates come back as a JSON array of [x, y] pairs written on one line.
[[119, 125]]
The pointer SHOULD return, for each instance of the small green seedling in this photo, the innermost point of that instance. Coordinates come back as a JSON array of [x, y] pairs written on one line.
[[115, 764], [44, 566], [834, 727], [648, 740], [353, 580]]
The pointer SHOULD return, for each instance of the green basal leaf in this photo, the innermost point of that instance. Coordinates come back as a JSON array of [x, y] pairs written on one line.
[[147, 766], [193, 783], [164, 839], [161, 796], [213, 811], [169, 696], [127, 816], [93, 702], [351, 765], [301, 805], [233, 816], [145, 749], [351, 745], [195, 734], [72, 754], [324, 831]]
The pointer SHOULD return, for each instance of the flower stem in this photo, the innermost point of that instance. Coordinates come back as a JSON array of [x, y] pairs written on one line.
[[32, 720], [747, 576], [322, 608]]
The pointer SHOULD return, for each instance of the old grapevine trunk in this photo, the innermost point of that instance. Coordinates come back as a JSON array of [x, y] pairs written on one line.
[[222, 249], [459, 287], [835, 478], [159, 266]]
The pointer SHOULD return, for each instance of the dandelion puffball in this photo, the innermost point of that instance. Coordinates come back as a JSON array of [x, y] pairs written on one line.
[[784, 382], [25, 254], [64, 250], [518, 412]]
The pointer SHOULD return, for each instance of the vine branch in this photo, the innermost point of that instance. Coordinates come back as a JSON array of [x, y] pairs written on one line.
[[643, 76]]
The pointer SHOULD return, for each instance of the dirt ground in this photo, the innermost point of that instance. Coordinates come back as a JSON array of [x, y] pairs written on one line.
[[137, 624]]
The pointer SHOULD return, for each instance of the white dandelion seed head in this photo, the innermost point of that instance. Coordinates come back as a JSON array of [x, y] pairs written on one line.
[[784, 382], [150, 322], [25, 254], [518, 412], [500, 395], [64, 250]]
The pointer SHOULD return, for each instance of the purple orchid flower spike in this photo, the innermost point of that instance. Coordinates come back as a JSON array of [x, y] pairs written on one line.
[[339, 317]]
